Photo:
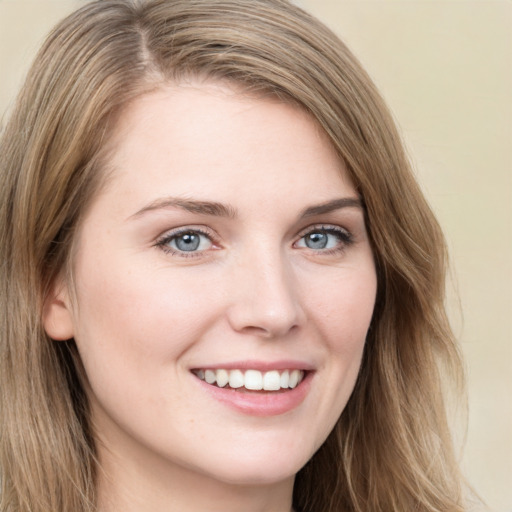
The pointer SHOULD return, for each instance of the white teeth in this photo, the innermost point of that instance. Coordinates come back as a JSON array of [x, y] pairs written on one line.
[[236, 379], [210, 376], [285, 378], [294, 379], [222, 378], [271, 381], [253, 380]]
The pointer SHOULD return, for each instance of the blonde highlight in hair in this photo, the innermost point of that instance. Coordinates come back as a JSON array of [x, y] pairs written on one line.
[[391, 448]]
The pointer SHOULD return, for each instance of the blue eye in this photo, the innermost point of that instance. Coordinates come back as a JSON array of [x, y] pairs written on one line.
[[187, 241], [325, 238], [318, 240]]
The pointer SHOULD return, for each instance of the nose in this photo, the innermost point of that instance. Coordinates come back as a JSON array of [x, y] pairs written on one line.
[[264, 298]]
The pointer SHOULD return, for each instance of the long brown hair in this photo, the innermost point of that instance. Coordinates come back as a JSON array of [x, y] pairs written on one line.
[[391, 448]]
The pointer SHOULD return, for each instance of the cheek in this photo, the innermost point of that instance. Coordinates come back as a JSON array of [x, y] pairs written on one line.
[[132, 331], [150, 314], [340, 311], [343, 309]]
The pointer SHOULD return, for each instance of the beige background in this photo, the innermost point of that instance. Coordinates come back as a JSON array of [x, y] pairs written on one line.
[[445, 67]]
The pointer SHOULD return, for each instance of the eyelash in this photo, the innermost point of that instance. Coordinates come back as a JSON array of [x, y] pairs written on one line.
[[345, 239], [165, 240]]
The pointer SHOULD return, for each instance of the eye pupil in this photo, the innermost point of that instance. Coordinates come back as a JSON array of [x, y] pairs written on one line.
[[316, 240], [187, 242]]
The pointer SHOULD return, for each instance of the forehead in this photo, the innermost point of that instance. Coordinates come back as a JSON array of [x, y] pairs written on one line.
[[194, 106], [205, 139]]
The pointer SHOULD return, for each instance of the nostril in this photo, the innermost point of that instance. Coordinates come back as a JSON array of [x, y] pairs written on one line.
[[268, 333], [258, 331]]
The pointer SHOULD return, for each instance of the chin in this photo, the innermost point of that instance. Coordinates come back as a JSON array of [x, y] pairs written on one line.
[[261, 469], [257, 476]]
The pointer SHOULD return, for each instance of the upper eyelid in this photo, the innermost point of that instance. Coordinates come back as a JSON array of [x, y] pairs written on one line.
[[323, 227], [207, 231], [171, 233]]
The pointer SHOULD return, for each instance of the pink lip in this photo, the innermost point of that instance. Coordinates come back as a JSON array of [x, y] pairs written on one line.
[[260, 403], [262, 366]]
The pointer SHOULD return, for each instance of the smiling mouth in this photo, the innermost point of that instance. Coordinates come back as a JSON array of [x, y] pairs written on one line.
[[251, 380]]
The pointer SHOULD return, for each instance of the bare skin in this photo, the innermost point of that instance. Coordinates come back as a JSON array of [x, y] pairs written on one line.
[[229, 235]]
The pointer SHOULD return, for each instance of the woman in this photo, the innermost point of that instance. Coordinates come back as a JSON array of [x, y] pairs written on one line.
[[221, 285]]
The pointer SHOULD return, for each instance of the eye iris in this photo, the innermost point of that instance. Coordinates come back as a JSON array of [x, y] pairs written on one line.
[[187, 242], [316, 240]]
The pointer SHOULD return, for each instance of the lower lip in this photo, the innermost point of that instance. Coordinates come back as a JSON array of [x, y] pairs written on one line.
[[261, 403]]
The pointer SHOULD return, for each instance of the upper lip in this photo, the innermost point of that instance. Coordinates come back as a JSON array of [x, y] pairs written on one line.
[[263, 366]]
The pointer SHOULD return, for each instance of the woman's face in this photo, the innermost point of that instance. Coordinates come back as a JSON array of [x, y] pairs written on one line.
[[228, 243]]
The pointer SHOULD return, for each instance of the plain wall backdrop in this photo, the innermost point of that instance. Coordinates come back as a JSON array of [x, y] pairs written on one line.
[[445, 68]]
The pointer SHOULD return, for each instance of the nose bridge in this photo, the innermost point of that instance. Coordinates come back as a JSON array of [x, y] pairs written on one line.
[[266, 301]]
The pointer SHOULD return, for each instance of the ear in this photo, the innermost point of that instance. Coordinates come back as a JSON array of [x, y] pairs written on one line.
[[57, 314]]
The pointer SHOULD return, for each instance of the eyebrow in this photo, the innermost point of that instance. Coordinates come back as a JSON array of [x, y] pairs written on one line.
[[189, 205], [222, 210], [336, 204]]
